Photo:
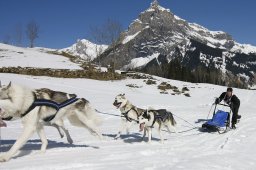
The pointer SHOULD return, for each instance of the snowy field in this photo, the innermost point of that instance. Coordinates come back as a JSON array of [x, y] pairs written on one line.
[[11, 56], [189, 149]]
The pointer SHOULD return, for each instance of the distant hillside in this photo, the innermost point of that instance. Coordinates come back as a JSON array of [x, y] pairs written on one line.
[[85, 49], [49, 62], [11, 56]]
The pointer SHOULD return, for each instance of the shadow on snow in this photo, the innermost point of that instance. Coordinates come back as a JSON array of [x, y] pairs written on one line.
[[35, 144]]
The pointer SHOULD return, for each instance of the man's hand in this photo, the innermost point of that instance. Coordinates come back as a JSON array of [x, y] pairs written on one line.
[[217, 100]]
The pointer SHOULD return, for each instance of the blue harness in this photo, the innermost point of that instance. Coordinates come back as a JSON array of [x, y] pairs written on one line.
[[49, 103]]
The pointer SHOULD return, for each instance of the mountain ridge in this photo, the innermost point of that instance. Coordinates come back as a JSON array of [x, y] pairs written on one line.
[[158, 31]]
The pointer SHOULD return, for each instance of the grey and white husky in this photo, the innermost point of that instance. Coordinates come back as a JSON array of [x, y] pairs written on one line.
[[16, 101], [156, 119]]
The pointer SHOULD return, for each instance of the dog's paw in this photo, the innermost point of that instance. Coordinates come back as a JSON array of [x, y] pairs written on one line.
[[40, 152], [117, 136], [101, 137], [4, 158], [70, 141], [143, 142], [43, 150], [61, 135]]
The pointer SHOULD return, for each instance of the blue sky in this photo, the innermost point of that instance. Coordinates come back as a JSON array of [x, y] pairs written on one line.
[[62, 22]]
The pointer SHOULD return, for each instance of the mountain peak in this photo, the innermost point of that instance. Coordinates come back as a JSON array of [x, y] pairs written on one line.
[[85, 49], [154, 3], [154, 6]]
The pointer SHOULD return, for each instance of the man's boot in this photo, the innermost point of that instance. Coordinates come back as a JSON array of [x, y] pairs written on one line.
[[233, 126]]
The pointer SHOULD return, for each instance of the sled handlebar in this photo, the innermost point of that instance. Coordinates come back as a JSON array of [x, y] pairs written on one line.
[[223, 105]]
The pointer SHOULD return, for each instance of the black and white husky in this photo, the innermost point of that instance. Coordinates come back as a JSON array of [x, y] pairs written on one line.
[[156, 119], [16, 102]]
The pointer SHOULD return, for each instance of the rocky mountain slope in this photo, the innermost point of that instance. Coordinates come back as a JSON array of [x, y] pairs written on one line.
[[159, 33]]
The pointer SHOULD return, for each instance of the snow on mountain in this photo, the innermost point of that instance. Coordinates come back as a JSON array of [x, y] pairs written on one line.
[[158, 31], [129, 38], [141, 61], [11, 56], [220, 39], [85, 49], [244, 48], [216, 39], [187, 149]]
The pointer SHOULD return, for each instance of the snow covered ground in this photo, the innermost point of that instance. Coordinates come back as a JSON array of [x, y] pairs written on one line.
[[188, 149], [11, 56]]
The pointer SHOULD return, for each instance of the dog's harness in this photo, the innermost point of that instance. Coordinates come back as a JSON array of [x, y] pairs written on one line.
[[161, 117], [7, 118], [48, 103], [125, 115]]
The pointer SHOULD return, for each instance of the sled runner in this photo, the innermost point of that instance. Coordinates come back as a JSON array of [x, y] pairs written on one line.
[[220, 121]]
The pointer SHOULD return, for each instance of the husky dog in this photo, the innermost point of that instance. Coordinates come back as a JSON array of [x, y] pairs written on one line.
[[129, 113], [156, 118], [16, 102]]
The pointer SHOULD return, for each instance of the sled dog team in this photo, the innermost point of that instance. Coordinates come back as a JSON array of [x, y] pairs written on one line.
[[44, 107]]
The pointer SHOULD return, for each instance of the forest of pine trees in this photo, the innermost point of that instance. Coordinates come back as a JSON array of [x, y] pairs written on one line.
[[175, 70]]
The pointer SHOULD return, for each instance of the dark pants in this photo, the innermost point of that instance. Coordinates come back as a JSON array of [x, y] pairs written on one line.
[[235, 108]]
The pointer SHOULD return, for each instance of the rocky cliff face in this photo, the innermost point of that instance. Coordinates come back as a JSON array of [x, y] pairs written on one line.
[[158, 32]]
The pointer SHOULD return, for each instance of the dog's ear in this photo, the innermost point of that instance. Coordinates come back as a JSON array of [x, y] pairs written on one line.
[[123, 96], [9, 85], [150, 108], [146, 115]]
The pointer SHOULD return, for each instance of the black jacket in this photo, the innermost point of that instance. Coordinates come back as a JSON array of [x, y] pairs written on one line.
[[229, 100]]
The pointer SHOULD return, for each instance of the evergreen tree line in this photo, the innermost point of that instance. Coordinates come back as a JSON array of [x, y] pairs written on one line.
[[175, 70]]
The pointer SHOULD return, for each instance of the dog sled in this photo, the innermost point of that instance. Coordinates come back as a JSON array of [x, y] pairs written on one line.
[[220, 121]]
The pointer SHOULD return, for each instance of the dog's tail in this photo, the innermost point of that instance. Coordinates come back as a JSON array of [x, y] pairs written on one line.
[[171, 118], [92, 115]]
